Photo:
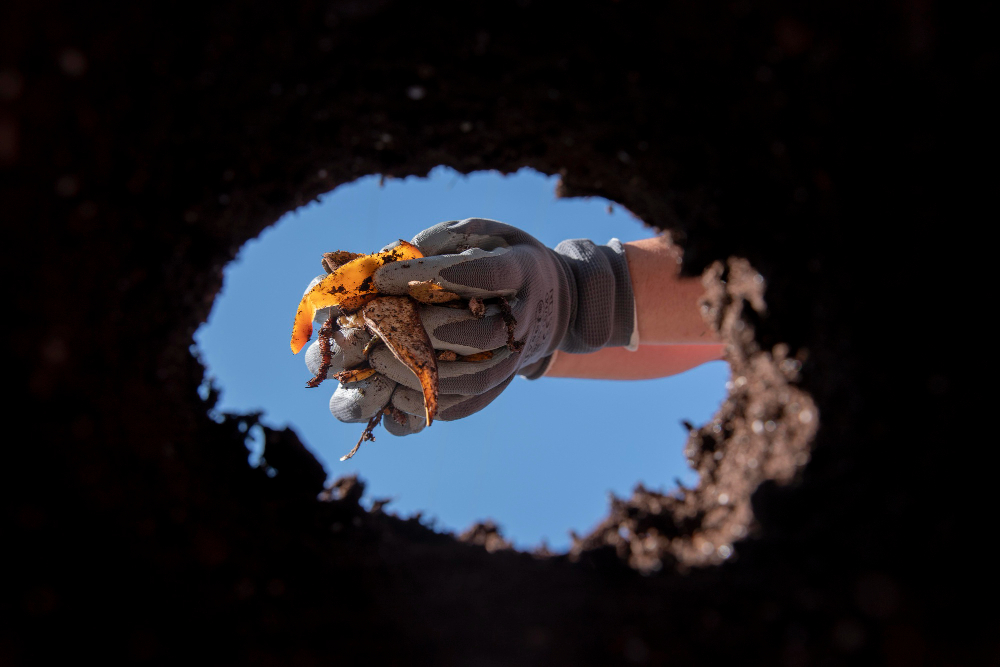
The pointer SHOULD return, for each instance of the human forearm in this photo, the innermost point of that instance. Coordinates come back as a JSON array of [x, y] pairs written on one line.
[[673, 336], [649, 361], [666, 302]]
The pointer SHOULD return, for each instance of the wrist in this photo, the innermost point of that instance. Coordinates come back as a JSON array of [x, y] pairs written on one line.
[[667, 303], [602, 305]]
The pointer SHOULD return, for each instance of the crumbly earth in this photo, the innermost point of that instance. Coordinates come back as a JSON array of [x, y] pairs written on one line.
[[804, 157]]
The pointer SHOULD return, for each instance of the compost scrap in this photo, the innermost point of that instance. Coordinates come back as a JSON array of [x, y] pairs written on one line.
[[354, 302]]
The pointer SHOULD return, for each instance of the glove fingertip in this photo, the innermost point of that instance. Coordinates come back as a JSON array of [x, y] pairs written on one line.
[[400, 423], [360, 401]]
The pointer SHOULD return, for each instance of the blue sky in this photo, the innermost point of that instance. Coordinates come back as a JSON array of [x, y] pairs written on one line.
[[542, 458]]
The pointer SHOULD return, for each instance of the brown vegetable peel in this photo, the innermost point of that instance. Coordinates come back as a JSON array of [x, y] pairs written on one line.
[[396, 321]]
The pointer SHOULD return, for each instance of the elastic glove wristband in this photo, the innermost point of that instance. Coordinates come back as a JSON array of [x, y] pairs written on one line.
[[603, 305]]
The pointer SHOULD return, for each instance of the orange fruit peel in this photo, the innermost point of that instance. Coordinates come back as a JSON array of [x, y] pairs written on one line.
[[349, 287]]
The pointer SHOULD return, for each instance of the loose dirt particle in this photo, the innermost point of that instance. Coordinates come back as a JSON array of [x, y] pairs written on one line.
[[397, 415], [334, 260], [477, 307], [511, 322]]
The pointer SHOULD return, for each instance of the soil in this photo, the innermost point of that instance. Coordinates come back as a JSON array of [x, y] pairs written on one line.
[[805, 157]]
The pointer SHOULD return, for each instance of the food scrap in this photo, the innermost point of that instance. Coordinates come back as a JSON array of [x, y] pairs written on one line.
[[449, 355], [427, 291], [354, 375], [350, 286], [392, 320], [396, 321]]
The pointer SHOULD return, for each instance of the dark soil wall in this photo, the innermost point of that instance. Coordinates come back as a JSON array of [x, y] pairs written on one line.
[[803, 155]]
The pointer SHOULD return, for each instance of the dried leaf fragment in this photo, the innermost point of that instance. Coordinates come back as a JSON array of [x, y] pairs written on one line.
[[365, 435], [355, 375], [336, 259], [350, 287], [396, 321], [449, 355], [485, 355], [370, 345], [427, 291], [477, 307]]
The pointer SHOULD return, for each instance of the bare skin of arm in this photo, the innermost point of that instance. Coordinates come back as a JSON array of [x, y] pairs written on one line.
[[673, 336]]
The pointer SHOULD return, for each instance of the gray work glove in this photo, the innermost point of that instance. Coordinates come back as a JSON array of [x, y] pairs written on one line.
[[576, 298]]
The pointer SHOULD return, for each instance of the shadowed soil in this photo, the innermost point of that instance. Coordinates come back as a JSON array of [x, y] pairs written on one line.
[[804, 157]]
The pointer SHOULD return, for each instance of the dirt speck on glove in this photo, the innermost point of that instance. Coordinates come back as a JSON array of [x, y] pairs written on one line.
[[513, 344]]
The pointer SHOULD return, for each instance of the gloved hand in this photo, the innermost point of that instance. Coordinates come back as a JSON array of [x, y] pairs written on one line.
[[576, 298]]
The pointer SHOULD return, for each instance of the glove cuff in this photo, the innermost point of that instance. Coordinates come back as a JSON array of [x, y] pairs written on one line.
[[603, 306]]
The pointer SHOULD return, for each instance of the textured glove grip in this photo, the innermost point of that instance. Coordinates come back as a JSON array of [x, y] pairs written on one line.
[[603, 306]]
